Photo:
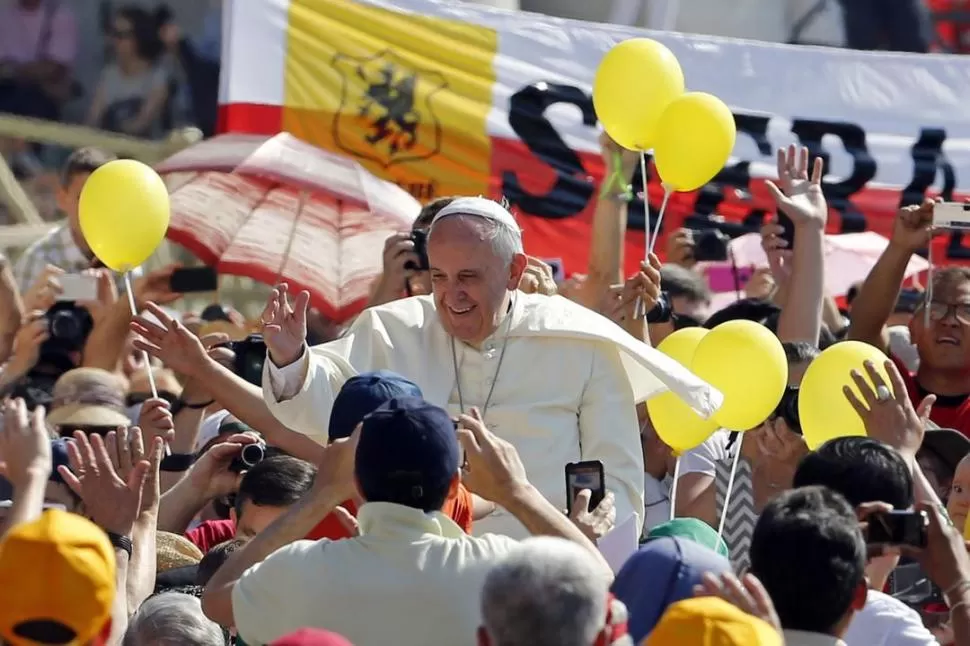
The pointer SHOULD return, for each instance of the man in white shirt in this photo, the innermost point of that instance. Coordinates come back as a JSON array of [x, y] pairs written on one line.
[[555, 379], [411, 577]]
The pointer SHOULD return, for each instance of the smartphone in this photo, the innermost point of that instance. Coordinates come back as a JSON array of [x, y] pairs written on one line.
[[909, 584], [951, 215], [195, 279], [585, 475], [420, 239], [78, 287], [788, 229], [722, 278], [897, 528]]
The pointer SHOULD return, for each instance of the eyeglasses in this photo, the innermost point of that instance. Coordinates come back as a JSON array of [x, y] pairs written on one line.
[[939, 311]]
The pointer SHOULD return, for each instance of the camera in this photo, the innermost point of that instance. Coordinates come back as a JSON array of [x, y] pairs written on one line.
[[420, 239], [68, 326], [250, 456], [710, 245], [788, 409], [250, 357]]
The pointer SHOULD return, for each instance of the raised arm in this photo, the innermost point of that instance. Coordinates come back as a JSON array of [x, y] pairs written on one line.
[[877, 297]]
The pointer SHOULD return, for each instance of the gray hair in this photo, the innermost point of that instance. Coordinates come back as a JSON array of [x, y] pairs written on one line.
[[172, 619], [506, 242], [546, 592]]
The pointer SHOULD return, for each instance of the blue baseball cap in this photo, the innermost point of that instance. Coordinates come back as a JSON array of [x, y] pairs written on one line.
[[408, 454], [362, 395]]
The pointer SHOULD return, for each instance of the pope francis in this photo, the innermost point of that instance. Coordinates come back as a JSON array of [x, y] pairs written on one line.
[[557, 380]]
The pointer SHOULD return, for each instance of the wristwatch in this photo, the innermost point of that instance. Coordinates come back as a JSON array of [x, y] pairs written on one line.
[[120, 542], [177, 462]]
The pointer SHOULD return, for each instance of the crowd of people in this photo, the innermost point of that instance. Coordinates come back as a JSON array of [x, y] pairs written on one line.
[[402, 478]]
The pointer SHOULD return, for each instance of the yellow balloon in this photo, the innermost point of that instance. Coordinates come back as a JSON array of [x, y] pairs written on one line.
[[676, 423], [746, 362], [123, 213], [695, 137], [634, 83], [823, 410]]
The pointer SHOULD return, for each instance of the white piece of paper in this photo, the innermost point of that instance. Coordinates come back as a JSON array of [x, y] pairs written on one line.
[[620, 544]]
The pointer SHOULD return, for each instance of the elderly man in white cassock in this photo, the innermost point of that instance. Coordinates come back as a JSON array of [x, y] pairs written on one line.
[[555, 379]]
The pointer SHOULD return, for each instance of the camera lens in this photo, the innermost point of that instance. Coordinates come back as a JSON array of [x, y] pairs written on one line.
[[65, 326], [252, 454]]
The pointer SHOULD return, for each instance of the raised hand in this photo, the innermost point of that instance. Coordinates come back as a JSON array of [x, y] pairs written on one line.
[[25, 446], [538, 279], [798, 195], [913, 227], [112, 503], [126, 449], [27, 342], [43, 293], [748, 594], [156, 420], [886, 410], [169, 341], [284, 325], [777, 251]]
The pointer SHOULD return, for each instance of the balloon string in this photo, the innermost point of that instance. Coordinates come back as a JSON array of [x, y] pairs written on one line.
[[660, 218], [730, 487], [673, 489], [144, 355]]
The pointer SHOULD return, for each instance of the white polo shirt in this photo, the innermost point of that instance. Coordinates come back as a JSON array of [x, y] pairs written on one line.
[[409, 579]]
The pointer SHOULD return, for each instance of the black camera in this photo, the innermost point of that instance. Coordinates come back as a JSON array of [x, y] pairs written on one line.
[[250, 357], [250, 456], [68, 326], [788, 409], [420, 239], [710, 245]]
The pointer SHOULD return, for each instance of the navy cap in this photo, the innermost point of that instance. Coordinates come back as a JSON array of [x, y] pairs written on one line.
[[58, 458], [408, 454], [362, 395]]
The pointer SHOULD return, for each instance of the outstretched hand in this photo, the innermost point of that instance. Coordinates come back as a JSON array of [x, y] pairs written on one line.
[[284, 325], [169, 340]]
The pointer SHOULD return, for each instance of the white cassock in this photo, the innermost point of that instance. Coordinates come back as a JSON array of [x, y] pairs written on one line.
[[565, 391]]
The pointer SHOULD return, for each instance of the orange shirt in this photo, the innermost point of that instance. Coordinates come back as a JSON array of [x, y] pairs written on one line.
[[458, 508]]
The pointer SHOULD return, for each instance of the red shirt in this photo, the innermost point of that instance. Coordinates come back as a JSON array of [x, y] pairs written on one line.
[[212, 532], [949, 411]]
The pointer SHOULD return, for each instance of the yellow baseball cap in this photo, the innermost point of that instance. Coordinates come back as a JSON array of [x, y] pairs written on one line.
[[57, 581], [709, 621]]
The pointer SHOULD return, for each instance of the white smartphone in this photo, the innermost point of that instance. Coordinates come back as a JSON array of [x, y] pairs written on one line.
[[78, 287], [951, 215]]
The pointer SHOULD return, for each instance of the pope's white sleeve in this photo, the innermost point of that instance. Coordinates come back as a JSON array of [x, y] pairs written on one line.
[[608, 432], [301, 395], [285, 382]]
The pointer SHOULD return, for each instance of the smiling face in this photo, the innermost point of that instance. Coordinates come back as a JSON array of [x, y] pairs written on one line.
[[471, 276], [944, 341]]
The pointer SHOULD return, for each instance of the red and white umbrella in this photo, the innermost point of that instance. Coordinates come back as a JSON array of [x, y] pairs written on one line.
[[279, 208]]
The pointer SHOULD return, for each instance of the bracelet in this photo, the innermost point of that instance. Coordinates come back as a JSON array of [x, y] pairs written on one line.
[[120, 542], [959, 586]]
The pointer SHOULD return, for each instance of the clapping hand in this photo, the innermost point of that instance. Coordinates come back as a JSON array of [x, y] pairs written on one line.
[[112, 503], [284, 325], [126, 449], [594, 523], [25, 446]]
